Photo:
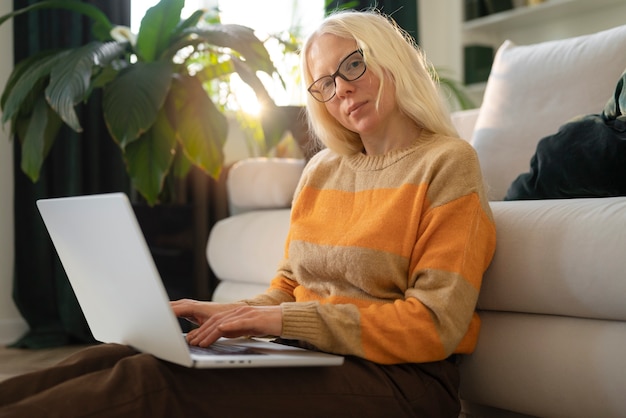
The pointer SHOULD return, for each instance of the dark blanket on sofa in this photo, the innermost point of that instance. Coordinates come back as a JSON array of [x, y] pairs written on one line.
[[585, 158]]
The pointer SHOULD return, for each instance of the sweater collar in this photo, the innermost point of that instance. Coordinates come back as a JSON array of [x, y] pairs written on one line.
[[364, 162]]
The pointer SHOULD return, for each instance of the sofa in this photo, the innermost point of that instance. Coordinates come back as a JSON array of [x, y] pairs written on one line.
[[553, 301]]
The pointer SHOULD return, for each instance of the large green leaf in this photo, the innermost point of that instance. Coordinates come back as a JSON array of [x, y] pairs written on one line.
[[73, 5], [132, 101], [200, 126], [212, 70], [24, 82], [157, 27], [70, 78], [238, 38], [107, 74], [181, 166], [148, 159], [19, 69], [37, 138]]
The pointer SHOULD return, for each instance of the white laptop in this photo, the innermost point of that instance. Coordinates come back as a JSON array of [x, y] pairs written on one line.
[[111, 270]]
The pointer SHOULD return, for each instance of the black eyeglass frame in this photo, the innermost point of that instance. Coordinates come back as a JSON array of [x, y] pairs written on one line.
[[336, 74]]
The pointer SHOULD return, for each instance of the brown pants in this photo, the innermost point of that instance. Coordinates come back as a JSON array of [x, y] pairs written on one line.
[[115, 381]]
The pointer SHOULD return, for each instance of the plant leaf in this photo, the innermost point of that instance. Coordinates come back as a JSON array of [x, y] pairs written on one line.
[[71, 77], [241, 39], [149, 158], [201, 128], [213, 70], [23, 80], [157, 27], [132, 101], [18, 71], [40, 132], [101, 32], [191, 21], [105, 76], [276, 120], [73, 5], [181, 166]]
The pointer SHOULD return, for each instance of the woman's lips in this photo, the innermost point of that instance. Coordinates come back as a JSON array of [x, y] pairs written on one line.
[[355, 107]]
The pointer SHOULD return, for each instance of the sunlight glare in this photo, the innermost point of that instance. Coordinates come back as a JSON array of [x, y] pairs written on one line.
[[245, 98]]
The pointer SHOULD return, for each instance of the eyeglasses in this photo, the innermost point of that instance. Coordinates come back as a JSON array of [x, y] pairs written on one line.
[[351, 68]]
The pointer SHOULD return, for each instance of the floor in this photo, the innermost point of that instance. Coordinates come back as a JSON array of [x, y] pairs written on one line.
[[14, 361]]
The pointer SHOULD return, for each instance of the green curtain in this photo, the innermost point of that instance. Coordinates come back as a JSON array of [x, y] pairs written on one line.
[[404, 12], [78, 164]]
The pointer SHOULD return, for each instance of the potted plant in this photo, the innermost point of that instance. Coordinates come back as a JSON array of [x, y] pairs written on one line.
[[156, 90]]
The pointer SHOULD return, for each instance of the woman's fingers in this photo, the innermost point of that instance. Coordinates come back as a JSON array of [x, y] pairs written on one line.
[[242, 321], [190, 310], [198, 312]]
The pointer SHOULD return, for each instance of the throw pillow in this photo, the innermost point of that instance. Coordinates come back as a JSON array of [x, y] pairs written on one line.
[[534, 89]]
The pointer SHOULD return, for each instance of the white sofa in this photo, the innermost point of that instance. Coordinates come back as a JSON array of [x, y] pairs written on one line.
[[553, 301]]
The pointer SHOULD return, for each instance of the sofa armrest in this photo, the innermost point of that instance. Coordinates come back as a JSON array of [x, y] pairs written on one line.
[[263, 183], [464, 122], [244, 252]]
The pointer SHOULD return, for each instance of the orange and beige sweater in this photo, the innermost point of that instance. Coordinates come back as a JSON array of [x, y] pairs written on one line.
[[385, 254]]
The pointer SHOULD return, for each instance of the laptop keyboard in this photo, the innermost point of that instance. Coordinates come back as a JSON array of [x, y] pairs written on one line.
[[222, 349]]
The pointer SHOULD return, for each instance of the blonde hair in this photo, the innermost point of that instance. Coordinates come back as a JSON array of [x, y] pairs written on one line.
[[387, 49]]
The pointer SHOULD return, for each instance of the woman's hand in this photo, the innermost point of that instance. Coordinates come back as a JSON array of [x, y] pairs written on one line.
[[217, 320], [198, 312]]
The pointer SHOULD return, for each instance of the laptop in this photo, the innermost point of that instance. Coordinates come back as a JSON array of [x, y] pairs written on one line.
[[118, 287]]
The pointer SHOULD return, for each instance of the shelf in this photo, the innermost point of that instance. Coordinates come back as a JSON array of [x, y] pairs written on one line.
[[552, 19], [531, 15]]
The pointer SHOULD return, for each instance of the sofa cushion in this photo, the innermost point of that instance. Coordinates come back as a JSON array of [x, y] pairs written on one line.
[[247, 247], [559, 257], [534, 89], [263, 183]]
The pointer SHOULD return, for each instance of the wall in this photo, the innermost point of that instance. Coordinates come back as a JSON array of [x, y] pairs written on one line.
[[11, 323], [440, 34]]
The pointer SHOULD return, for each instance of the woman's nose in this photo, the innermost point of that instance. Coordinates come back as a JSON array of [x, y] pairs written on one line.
[[343, 87]]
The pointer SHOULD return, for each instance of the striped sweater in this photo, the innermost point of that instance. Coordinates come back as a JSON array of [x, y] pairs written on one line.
[[385, 254]]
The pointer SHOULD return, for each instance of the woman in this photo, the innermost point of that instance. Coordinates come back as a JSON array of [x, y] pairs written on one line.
[[390, 235]]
